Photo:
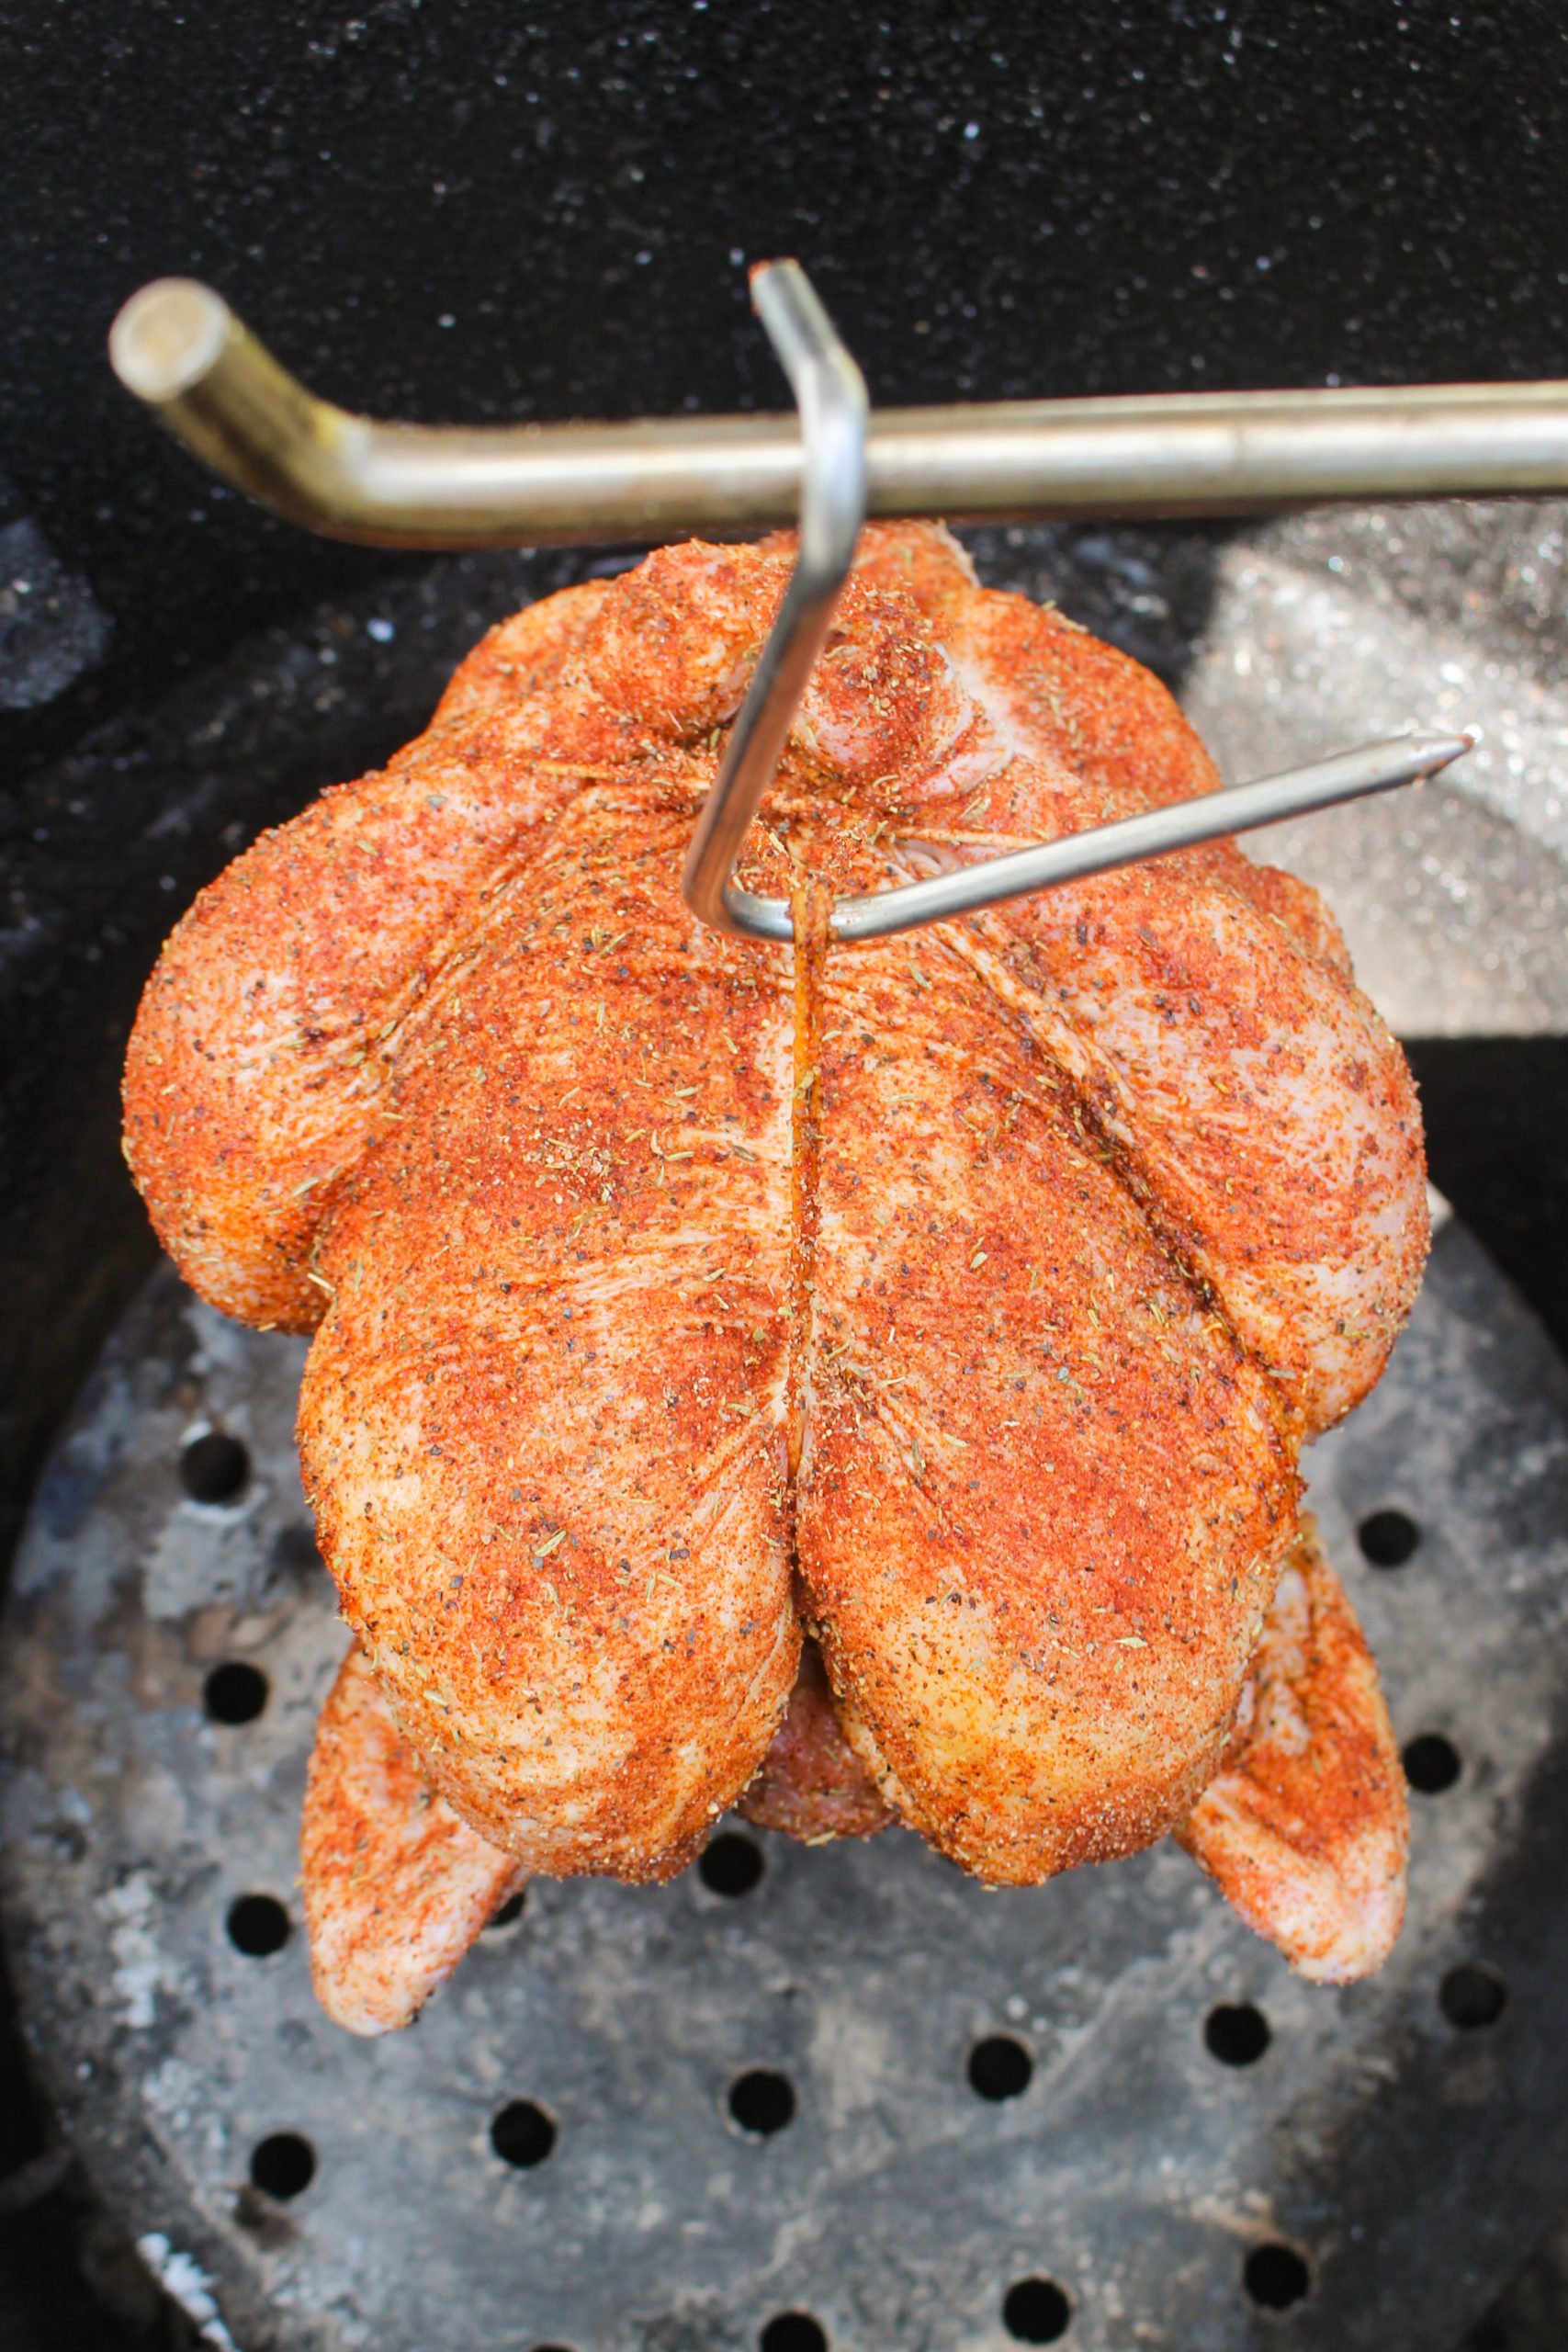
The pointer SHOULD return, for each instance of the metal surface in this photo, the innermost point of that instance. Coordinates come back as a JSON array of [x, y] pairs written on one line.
[[832, 402], [1409, 2160], [831, 396], [178, 347], [1455, 898]]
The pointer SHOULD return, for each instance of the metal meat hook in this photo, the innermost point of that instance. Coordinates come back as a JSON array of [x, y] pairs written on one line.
[[178, 345], [830, 394]]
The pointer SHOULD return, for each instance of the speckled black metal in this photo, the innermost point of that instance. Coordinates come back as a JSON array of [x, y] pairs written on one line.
[[491, 211], [497, 210]]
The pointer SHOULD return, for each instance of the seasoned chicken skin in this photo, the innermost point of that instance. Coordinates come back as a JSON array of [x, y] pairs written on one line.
[[962, 1300]]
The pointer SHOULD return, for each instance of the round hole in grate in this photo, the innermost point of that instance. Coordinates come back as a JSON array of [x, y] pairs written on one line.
[[258, 1925], [1000, 2067], [762, 2101], [730, 1864], [1431, 1763], [793, 2332], [214, 1468], [283, 2164], [511, 1909], [522, 2133], [1035, 2310], [1276, 2276], [1388, 1538], [235, 1693], [1236, 2034], [1472, 1995], [294, 1551]]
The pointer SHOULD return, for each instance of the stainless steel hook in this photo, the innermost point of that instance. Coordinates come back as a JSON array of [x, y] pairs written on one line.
[[833, 413], [831, 392]]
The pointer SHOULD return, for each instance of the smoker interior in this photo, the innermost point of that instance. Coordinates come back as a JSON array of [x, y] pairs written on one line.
[[1406, 2159], [419, 217]]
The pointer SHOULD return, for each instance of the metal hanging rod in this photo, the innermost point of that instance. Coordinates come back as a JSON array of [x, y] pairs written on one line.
[[178, 347]]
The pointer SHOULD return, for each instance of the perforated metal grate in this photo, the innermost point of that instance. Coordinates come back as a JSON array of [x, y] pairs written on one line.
[[801, 2096]]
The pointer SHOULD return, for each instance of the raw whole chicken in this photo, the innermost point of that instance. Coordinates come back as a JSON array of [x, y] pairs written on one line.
[[861, 1386]]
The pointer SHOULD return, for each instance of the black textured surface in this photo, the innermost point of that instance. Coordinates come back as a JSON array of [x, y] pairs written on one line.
[[1496, 1114], [483, 211], [1157, 193]]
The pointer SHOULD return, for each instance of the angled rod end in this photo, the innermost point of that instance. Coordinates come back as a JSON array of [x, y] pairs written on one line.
[[169, 337], [1441, 748], [759, 272]]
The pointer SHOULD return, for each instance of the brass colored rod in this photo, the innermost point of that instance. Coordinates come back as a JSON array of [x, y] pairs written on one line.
[[178, 347]]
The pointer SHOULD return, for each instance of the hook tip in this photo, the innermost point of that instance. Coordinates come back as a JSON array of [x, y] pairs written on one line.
[[167, 337], [1443, 749]]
